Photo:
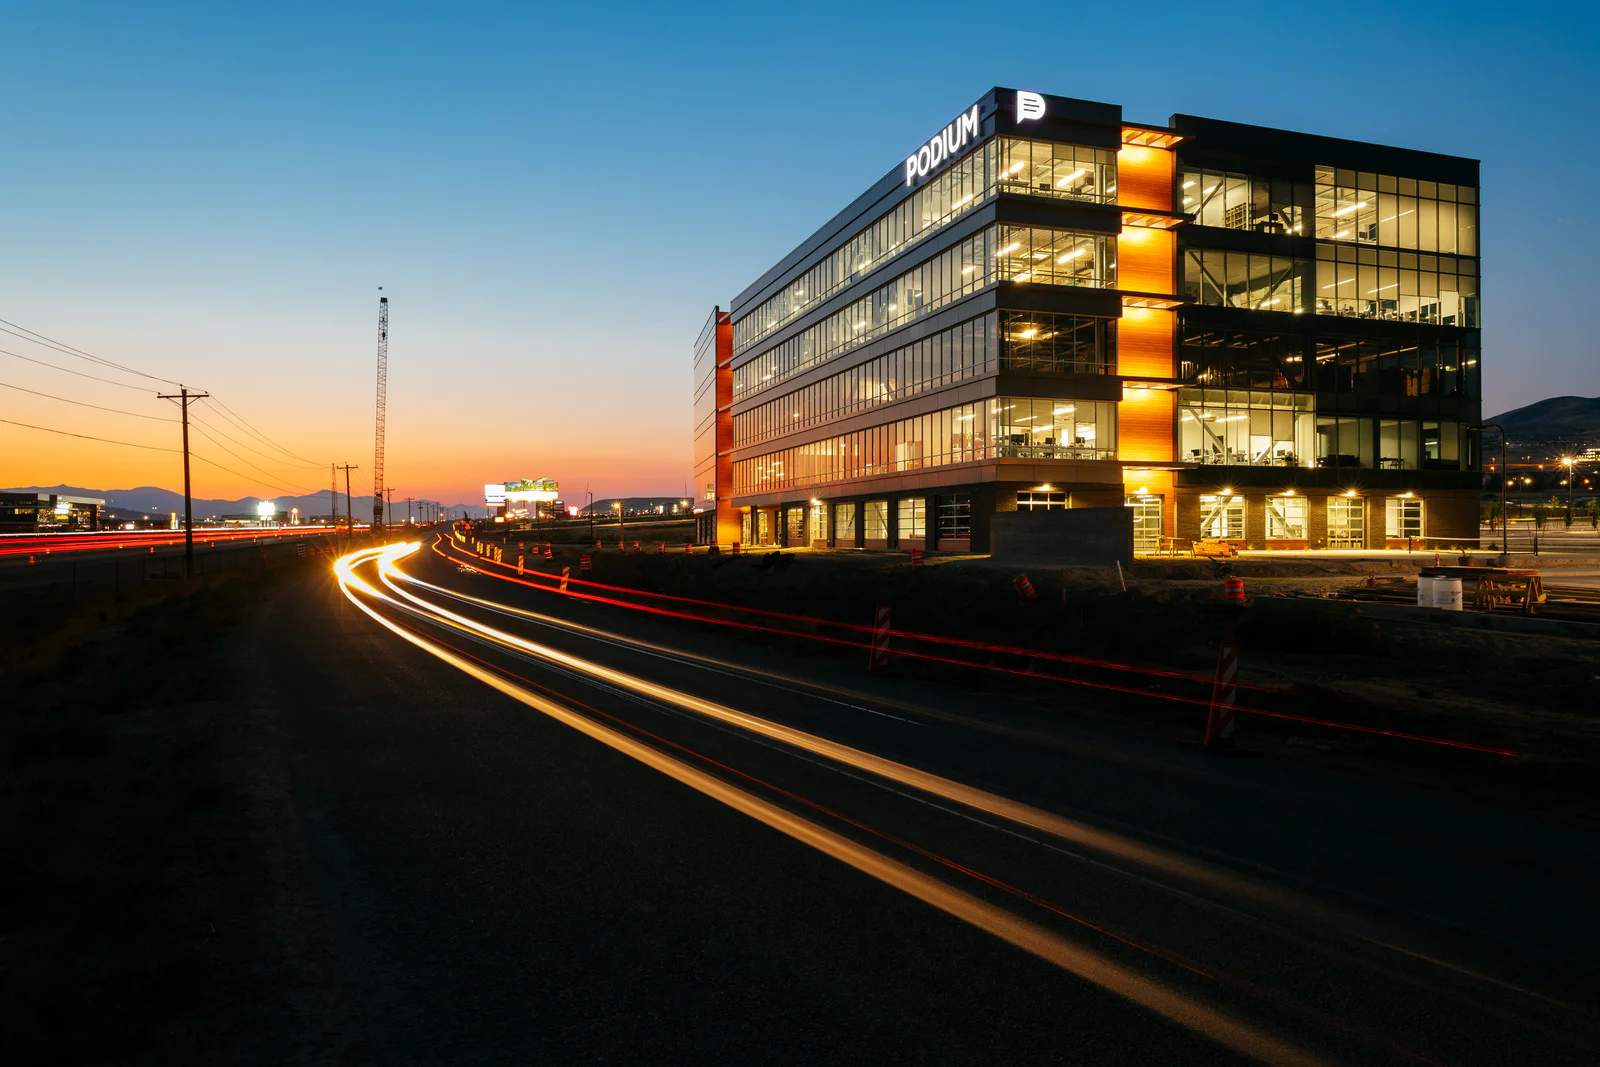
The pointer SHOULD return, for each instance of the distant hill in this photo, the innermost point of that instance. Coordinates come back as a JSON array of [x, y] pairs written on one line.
[[152, 500], [1558, 416]]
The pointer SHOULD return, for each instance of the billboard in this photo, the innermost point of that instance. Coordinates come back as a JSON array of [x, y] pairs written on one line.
[[494, 494], [532, 489]]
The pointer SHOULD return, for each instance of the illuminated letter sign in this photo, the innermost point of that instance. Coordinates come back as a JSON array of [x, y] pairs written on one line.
[[945, 146], [1029, 106]]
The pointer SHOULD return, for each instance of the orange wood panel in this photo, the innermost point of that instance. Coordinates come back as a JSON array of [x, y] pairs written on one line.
[[1146, 260], [1144, 178], [1144, 343], [1144, 425]]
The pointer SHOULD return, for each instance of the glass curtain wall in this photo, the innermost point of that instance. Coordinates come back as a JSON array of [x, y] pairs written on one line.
[[1242, 359], [1347, 522], [953, 355], [1239, 202], [1063, 344], [1035, 168], [1382, 209], [1243, 427], [1244, 280], [1440, 367], [1371, 283], [998, 428], [1030, 254]]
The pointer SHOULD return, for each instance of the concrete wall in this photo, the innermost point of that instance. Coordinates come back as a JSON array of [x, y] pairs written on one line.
[[1096, 537]]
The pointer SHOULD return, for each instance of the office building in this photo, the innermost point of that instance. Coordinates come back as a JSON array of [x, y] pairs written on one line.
[[1235, 332]]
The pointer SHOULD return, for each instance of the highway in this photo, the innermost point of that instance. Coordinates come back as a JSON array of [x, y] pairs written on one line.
[[559, 830]]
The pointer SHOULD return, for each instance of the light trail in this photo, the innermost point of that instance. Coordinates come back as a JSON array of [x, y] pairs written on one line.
[[113, 540], [1231, 887], [1148, 993], [1201, 702]]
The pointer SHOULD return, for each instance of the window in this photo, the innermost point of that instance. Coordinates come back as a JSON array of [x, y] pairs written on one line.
[[765, 527], [1344, 442], [1371, 283], [744, 528], [1398, 445], [912, 519], [1067, 344], [1242, 427], [1146, 521], [795, 527], [955, 519], [1001, 427], [952, 355], [1242, 359], [844, 524], [1374, 209], [1238, 202], [1044, 428], [1286, 518], [875, 520], [1347, 522], [1037, 169], [1402, 517], [1430, 364], [1030, 254], [1040, 500], [1222, 517], [1058, 170], [1245, 280]]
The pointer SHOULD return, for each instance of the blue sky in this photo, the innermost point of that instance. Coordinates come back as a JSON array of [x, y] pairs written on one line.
[[555, 197]]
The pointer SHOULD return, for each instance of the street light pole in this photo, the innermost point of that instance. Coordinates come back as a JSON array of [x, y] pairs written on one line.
[[1571, 465], [1505, 537]]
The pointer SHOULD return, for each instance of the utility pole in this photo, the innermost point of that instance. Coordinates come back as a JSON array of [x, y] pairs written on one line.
[[408, 511], [183, 397], [591, 514], [348, 506], [333, 497]]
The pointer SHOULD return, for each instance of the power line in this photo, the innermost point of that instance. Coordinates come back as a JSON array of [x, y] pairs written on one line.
[[85, 404], [239, 420], [66, 349], [248, 478], [69, 370], [246, 462], [86, 437], [264, 455]]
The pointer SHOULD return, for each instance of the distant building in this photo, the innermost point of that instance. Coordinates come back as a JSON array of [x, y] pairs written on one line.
[[43, 513], [1236, 332]]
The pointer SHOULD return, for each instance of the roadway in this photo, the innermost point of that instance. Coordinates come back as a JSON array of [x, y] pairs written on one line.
[[534, 829]]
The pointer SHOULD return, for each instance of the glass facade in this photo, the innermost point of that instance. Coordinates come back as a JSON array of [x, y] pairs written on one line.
[[1439, 366], [955, 519], [875, 521], [953, 355], [1239, 202], [1402, 517], [1371, 283], [1240, 426], [1382, 209], [1347, 522], [1241, 280], [997, 428], [1222, 517], [1146, 521], [844, 524], [911, 518], [1242, 359], [1064, 344], [1287, 518], [1009, 165], [1030, 254]]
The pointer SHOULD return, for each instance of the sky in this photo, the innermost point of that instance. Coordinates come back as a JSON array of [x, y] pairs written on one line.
[[554, 197]]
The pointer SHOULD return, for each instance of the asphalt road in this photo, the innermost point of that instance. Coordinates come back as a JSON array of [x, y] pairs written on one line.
[[567, 847]]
